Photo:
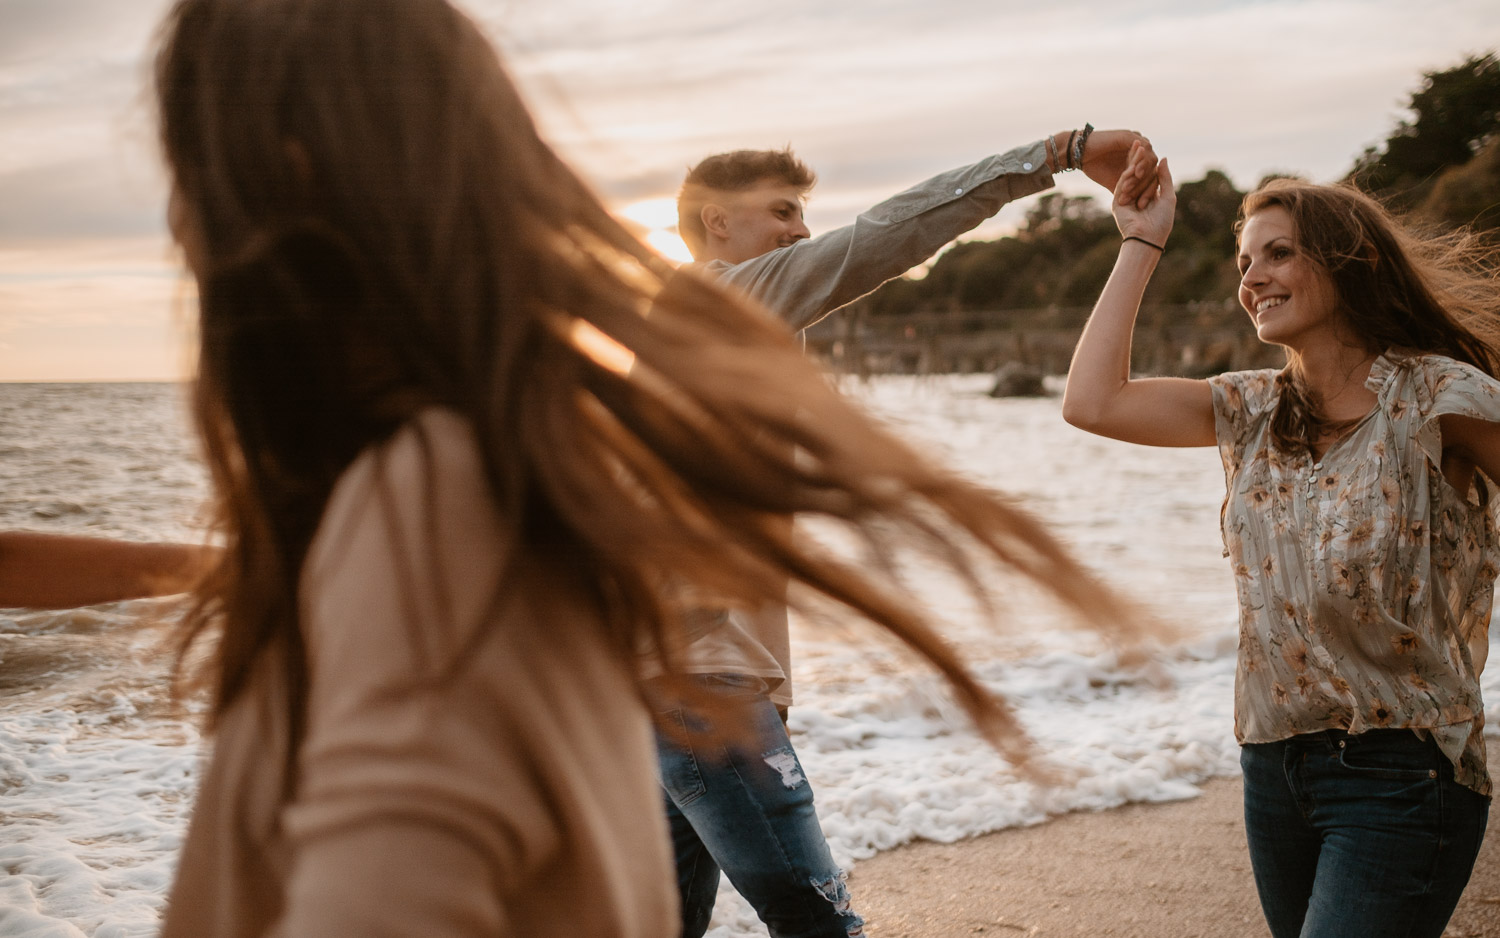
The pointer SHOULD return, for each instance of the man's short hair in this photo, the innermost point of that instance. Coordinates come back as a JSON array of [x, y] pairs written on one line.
[[734, 171]]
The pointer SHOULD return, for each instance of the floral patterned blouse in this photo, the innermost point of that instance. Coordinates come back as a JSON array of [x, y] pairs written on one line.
[[1364, 579]]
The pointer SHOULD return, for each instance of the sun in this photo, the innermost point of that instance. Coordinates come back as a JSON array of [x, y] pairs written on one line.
[[657, 221], [653, 214]]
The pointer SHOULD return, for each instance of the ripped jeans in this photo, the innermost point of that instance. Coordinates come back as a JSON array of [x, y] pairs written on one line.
[[746, 807]]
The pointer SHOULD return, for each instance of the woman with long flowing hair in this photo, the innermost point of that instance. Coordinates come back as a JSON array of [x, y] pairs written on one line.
[[1360, 525], [472, 460]]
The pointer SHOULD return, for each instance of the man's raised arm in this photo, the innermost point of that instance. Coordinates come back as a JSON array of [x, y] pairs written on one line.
[[807, 280]]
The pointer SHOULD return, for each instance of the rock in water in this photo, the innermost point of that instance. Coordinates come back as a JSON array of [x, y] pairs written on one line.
[[1014, 379]]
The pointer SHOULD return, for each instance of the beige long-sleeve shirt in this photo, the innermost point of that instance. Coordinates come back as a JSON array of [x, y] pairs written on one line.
[[475, 761]]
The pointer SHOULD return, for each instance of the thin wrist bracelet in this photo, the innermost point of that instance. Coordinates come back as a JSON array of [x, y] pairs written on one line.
[[1072, 136], [1052, 160], [1153, 244], [1083, 141]]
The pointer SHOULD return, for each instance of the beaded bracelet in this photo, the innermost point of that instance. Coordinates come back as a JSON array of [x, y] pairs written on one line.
[[1077, 148]]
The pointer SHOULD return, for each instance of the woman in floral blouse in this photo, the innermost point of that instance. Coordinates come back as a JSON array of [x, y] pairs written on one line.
[[1358, 520]]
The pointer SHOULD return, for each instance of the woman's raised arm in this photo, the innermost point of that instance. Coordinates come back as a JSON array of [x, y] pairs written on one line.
[[1101, 397]]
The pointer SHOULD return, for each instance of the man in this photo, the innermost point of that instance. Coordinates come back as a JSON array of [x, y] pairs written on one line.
[[744, 805]]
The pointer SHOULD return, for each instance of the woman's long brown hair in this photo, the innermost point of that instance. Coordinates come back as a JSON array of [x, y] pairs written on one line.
[[377, 228], [1396, 288]]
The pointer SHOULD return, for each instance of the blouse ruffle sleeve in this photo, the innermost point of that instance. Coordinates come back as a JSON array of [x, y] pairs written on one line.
[[1443, 386], [1240, 400]]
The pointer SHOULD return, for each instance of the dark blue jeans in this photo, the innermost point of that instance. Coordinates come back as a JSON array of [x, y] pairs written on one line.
[[1362, 836], [744, 806]]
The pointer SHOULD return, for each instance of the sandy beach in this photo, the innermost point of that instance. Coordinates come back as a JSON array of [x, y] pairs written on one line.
[[1176, 870]]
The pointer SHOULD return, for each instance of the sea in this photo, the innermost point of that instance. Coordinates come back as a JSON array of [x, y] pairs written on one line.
[[98, 763]]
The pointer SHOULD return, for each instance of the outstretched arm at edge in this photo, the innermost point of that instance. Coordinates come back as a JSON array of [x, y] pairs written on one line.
[[1101, 397], [59, 571]]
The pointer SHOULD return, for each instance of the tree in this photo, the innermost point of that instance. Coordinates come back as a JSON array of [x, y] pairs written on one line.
[[1206, 211], [1468, 194], [1455, 113]]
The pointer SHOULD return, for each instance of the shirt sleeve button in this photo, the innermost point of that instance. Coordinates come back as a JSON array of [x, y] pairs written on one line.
[[1026, 166], [958, 191]]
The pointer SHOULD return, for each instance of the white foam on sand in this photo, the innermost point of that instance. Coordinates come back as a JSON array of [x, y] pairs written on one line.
[[95, 806]]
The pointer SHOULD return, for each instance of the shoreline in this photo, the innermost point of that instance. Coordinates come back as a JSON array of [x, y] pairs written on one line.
[[1173, 870]]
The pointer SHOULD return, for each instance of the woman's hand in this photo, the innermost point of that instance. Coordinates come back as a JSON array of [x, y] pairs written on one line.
[[1145, 203]]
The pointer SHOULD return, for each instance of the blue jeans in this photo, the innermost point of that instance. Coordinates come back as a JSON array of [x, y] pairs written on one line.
[[743, 805], [1362, 836]]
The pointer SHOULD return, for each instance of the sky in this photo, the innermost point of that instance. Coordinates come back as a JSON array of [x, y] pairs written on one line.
[[875, 95]]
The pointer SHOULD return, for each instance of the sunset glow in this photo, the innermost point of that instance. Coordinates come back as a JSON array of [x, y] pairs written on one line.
[[670, 245], [658, 220], [653, 214], [875, 97]]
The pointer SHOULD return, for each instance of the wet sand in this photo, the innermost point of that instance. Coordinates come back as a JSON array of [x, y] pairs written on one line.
[[1177, 870]]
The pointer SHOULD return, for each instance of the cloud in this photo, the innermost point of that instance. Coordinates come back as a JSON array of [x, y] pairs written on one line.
[[898, 92], [81, 198], [875, 94], [76, 150], [38, 30]]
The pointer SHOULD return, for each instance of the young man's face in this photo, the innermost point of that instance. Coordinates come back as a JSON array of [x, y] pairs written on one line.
[[762, 218]]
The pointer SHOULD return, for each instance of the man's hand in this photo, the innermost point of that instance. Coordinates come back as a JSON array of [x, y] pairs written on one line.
[[1106, 158]]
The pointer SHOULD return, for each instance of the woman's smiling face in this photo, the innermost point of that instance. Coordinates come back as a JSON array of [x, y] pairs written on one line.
[[1290, 299]]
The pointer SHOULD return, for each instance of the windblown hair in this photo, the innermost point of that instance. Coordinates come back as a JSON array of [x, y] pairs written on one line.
[[376, 228], [1396, 288], [734, 171]]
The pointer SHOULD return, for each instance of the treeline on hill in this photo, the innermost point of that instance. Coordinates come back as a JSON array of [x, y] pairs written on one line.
[[1023, 298]]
